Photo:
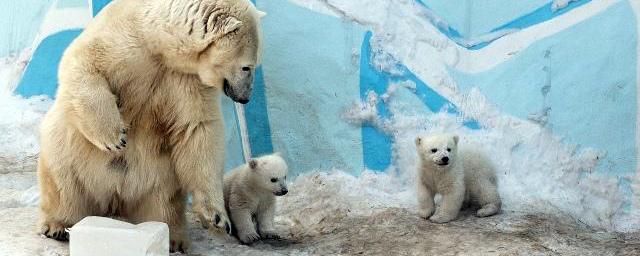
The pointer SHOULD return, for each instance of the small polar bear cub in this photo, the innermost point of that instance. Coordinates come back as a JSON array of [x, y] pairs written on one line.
[[249, 195], [463, 175]]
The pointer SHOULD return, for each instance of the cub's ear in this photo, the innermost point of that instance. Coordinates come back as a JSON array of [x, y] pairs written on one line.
[[418, 141], [456, 139], [253, 164], [277, 154], [261, 14], [230, 24]]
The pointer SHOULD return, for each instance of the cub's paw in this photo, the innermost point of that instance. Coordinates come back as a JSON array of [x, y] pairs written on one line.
[[215, 218], [425, 213], [249, 238], [439, 218], [488, 210], [270, 235], [55, 231]]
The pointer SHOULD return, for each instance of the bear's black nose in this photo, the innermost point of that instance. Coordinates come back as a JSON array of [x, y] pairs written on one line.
[[243, 101], [284, 191], [445, 159]]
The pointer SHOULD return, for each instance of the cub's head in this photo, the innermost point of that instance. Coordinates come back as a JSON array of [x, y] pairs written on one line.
[[229, 62], [439, 149], [270, 173]]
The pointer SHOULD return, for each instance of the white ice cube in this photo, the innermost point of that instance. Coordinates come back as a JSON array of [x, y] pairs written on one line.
[[97, 236]]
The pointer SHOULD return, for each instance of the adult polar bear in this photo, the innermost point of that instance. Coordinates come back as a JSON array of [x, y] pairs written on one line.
[[137, 125]]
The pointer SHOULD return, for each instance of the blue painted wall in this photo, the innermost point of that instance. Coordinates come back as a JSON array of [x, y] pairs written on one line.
[[316, 65], [596, 108]]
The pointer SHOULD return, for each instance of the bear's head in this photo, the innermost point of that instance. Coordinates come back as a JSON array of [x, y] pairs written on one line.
[[437, 149], [219, 41], [269, 173]]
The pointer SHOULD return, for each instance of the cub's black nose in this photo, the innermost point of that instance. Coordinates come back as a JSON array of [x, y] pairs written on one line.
[[285, 191], [243, 101], [445, 159]]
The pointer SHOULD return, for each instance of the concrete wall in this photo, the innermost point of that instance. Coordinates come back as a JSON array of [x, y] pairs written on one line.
[[497, 68]]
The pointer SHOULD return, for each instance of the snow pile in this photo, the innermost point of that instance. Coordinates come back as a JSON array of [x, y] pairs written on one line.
[[559, 4], [537, 171], [317, 196], [19, 121]]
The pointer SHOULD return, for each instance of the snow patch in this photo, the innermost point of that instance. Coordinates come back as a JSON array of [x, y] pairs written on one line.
[[19, 121], [538, 172], [559, 4]]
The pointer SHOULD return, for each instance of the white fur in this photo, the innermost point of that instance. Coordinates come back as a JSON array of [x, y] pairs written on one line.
[[137, 123], [250, 192], [467, 177]]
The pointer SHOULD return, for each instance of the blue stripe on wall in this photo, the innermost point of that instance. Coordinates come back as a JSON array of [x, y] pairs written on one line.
[[433, 100], [540, 15], [41, 75], [258, 118], [376, 146], [97, 5]]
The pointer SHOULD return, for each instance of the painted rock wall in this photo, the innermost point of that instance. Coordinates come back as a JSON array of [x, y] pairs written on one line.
[[547, 87]]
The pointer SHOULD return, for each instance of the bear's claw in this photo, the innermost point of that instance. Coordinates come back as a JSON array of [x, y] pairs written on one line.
[[55, 231], [271, 235], [249, 238], [178, 246], [217, 219], [120, 144]]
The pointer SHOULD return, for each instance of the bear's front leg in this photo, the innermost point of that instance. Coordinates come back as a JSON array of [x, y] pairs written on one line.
[[243, 223], [198, 156], [425, 201], [265, 221], [94, 112], [450, 207]]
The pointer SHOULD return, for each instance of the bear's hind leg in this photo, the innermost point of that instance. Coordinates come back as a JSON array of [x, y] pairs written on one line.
[[60, 208], [164, 208], [489, 199]]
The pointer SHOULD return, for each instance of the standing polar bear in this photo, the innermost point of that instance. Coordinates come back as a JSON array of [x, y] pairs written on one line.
[[250, 193], [459, 176], [137, 123]]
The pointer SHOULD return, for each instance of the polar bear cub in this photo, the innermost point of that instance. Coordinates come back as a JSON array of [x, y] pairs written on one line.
[[249, 195], [463, 175]]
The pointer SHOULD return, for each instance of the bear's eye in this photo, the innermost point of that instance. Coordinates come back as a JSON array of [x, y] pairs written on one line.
[[449, 149], [274, 179], [285, 177], [433, 150]]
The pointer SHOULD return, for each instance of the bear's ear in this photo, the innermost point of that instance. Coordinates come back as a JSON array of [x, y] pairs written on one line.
[[261, 14], [277, 154], [418, 141], [230, 24], [253, 164], [456, 139]]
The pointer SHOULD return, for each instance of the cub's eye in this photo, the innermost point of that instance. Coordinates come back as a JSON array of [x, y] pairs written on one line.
[[274, 179], [449, 149], [285, 177], [433, 150]]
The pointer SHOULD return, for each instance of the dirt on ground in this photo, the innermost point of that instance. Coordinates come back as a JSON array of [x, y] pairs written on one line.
[[392, 231]]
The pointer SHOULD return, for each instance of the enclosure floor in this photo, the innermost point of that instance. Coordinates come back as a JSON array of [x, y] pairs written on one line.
[[391, 231]]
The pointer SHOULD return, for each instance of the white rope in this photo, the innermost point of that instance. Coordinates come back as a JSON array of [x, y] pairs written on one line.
[[244, 133]]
